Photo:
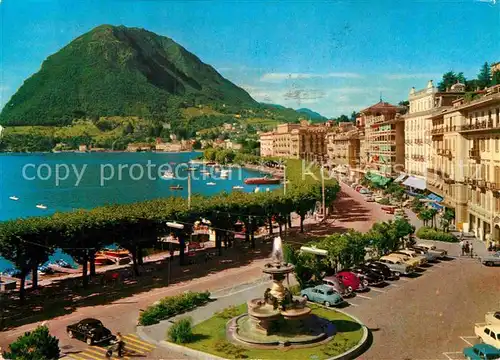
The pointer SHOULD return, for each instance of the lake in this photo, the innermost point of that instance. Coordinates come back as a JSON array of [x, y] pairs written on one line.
[[68, 181]]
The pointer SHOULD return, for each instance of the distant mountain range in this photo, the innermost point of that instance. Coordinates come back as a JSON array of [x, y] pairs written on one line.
[[309, 114], [120, 71]]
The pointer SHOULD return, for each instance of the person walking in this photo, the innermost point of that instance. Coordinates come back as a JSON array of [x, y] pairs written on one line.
[[467, 248], [471, 251], [462, 246], [121, 344]]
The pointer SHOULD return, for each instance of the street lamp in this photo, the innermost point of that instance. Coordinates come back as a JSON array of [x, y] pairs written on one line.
[[173, 225]]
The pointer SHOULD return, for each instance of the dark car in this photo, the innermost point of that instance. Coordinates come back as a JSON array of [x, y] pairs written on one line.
[[381, 269], [368, 275], [92, 331]]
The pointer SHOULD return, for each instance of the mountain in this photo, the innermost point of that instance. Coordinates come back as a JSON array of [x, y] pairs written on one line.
[[312, 115], [119, 71]]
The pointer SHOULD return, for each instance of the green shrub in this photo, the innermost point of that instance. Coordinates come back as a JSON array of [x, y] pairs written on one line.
[[384, 201], [171, 306], [229, 349], [428, 233], [34, 345], [228, 313], [181, 332]]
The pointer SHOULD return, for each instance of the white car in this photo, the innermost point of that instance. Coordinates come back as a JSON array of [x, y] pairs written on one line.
[[492, 317], [488, 334], [433, 250]]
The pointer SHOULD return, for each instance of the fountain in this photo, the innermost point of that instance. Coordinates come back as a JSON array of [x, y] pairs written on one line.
[[279, 318]]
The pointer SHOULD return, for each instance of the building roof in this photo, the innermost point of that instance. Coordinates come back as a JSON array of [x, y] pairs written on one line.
[[380, 106]]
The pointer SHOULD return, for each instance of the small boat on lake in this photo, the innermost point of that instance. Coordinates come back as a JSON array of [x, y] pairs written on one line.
[[41, 206], [176, 187], [15, 198], [210, 183], [262, 180], [224, 174], [237, 187]]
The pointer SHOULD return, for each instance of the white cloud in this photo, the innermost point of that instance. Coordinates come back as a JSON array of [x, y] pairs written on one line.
[[276, 77], [427, 76]]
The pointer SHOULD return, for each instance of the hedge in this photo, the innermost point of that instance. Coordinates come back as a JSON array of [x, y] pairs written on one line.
[[429, 233], [171, 306]]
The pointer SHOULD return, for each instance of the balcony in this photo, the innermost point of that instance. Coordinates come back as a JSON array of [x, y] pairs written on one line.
[[439, 151], [438, 131], [481, 184], [448, 154], [479, 126], [431, 171]]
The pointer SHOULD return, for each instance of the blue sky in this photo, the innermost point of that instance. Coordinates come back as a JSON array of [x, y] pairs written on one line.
[[336, 55]]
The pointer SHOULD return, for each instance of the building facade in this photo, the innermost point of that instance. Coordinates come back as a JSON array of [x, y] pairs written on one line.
[[418, 143], [383, 139], [343, 150], [296, 141], [466, 168]]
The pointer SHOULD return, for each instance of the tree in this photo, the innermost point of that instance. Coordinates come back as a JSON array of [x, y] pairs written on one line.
[[354, 115], [34, 345], [484, 76], [450, 78]]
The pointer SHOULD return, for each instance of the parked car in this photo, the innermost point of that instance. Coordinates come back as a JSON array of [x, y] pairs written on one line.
[[338, 285], [431, 257], [359, 187], [92, 331], [490, 260], [433, 250], [488, 333], [405, 258], [365, 191], [481, 352], [492, 317], [322, 294], [352, 281], [397, 266], [381, 269], [421, 258], [368, 276], [354, 185], [369, 198]]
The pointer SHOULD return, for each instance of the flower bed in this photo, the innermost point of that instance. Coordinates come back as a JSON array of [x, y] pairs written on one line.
[[428, 233], [171, 306]]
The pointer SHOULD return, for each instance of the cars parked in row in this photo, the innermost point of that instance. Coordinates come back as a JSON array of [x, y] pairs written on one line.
[[397, 266], [488, 334], [352, 281], [440, 253], [491, 260], [492, 317], [422, 260], [381, 269], [369, 276], [322, 294], [337, 285], [431, 257], [481, 352]]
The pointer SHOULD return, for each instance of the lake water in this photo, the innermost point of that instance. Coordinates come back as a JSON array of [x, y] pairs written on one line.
[[68, 181]]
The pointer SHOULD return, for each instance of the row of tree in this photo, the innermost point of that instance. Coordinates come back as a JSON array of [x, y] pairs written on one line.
[[347, 249], [484, 79], [29, 242]]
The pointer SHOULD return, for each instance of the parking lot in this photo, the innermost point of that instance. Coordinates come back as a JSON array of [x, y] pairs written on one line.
[[431, 314]]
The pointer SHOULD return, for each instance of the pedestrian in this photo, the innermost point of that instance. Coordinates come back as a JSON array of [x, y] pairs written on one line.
[[471, 251], [467, 248], [490, 248], [121, 344], [462, 246]]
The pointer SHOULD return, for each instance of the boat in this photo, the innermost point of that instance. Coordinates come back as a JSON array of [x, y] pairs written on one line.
[[63, 264], [192, 168], [101, 260], [117, 256], [45, 270], [210, 163], [15, 198], [41, 206], [224, 174], [210, 183], [262, 181], [237, 187], [176, 187], [168, 175]]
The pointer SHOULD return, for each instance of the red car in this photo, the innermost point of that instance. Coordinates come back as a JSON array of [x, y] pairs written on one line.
[[351, 281]]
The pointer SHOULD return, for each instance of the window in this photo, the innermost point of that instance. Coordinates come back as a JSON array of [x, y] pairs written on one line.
[[496, 144], [487, 145], [482, 144], [486, 331], [493, 335]]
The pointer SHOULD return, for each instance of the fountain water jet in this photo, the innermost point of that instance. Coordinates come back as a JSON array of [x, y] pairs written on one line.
[[279, 317]]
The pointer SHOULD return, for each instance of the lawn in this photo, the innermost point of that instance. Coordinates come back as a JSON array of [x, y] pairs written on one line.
[[212, 330]]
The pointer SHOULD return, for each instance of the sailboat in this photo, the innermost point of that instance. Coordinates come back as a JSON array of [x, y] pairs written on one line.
[[41, 206], [15, 198]]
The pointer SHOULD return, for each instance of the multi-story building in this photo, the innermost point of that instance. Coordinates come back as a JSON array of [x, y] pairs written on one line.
[[343, 149], [422, 105], [298, 141], [466, 140], [384, 138]]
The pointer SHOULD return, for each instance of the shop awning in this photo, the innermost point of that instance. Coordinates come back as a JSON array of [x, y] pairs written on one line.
[[378, 179], [415, 183], [435, 199], [400, 178]]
